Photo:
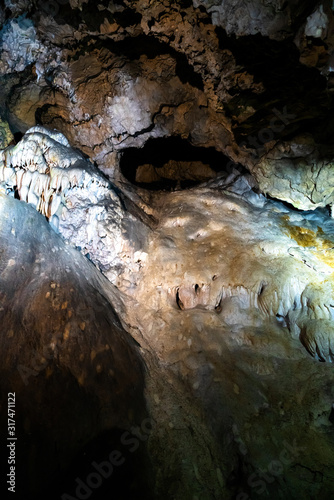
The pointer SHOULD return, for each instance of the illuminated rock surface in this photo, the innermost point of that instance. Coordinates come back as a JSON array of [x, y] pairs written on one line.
[[298, 172]]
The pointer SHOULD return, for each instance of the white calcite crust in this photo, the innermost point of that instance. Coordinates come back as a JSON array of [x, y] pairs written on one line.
[[79, 202]]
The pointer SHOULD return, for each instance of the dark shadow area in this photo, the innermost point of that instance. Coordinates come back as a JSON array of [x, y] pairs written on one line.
[[286, 204], [133, 48], [41, 111], [114, 465], [158, 152], [288, 84], [17, 137], [88, 13], [94, 18]]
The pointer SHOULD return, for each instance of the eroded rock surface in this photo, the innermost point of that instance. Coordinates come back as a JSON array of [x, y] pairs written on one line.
[[299, 172]]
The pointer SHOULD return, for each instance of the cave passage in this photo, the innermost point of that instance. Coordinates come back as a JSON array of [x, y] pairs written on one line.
[[171, 163]]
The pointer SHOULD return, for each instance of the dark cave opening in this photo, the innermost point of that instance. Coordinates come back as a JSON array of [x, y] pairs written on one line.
[[132, 48], [171, 163], [275, 63], [288, 84], [64, 13], [94, 18], [17, 136]]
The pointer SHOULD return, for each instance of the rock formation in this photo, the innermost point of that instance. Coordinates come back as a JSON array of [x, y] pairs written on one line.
[[166, 248]]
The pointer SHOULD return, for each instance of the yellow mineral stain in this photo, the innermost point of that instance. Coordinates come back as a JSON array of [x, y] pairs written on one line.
[[303, 236], [64, 305], [48, 372], [69, 313], [326, 256], [47, 295], [81, 379], [82, 326], [320, 246], [10, 334]]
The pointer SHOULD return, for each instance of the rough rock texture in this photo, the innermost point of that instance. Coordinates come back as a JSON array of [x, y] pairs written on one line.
[[274, 18], [166, 268], [298, 172], [6, 136]]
